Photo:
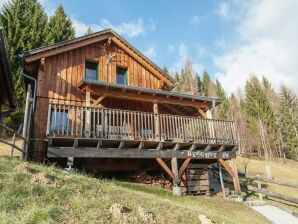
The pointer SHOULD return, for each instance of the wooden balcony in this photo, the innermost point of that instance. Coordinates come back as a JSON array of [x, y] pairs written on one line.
[[133, 129]]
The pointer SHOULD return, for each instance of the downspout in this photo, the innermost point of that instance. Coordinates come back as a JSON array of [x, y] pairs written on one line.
[[31, 78]]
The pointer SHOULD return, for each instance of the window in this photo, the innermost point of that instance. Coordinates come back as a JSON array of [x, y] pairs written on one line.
[[59, 121], [121, 76], [91, 70]]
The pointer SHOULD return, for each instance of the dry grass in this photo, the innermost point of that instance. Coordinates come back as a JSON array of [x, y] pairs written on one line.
[[287, 171], [77, 198], [5, 149]]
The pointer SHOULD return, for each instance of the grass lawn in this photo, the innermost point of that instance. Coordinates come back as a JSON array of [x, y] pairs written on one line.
[[77, 198]]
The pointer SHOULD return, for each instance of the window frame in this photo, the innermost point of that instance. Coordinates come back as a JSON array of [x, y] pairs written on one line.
[[97, 67], [125, 75]]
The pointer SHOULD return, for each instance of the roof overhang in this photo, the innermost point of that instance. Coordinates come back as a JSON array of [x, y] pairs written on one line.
[[145, 94], [7, 94]]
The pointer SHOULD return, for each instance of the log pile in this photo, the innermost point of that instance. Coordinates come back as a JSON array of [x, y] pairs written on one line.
[[152, 180]]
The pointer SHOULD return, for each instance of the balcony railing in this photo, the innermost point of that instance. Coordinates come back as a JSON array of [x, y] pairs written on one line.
[[103, 123]]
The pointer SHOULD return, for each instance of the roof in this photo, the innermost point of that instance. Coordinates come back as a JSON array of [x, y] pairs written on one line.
[[7, 95], [216, 100], [88, 39]]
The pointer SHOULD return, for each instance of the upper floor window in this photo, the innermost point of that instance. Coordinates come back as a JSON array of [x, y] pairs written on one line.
[[121, 76], [91, 70]]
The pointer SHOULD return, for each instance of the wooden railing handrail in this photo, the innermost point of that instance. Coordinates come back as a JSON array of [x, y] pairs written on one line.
[[14, 132], [273, 181], [144, 112], [109, 123]]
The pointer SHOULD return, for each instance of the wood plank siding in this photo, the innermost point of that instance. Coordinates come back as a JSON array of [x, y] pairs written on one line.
[[59, 75]]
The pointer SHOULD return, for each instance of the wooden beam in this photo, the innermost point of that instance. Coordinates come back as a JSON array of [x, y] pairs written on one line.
[[94, 152], [156, 120], [60, 49], [165, 167], [236, 178], [142, 61], [96, 102], [146, 97], [174, 165], [183, 167], [233, 173], [201, 112], [226, 167]]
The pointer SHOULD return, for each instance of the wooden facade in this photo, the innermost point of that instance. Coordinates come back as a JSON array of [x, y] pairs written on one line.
[[100, 118]]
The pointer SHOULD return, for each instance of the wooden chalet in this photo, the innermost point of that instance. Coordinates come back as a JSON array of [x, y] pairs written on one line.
[[7, 93], [98, 98]]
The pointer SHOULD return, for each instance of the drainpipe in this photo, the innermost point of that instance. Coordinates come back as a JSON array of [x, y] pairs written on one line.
[[34, 80], [31, 78]]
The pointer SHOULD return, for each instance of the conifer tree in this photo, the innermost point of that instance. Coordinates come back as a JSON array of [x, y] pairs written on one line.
[[60, 25], [25, 27], [288, 113], [88, 31], [199, 84], [206, 83], [224, 106]]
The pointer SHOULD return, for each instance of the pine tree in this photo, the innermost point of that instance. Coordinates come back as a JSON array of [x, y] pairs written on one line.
[[60, 25], [25, 27], [224, 106], [206, 83], [260, 116], [88, 31], [165, 70], [288, 113], [186, 82], [199, 84]]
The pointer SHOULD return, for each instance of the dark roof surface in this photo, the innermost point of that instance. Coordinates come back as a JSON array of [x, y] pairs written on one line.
[[7, 95], [87, 37]]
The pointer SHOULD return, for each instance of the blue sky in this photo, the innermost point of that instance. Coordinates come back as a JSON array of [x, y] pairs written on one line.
[[231, 39], [164, 30]]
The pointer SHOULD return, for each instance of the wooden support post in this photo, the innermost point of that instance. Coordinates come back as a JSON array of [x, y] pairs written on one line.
[[184, 166], [12, 147], [236, 182], [88, 116], [260, 187], [28, 129], [165, 167], [234, 174], [156, 119], [25, 123], [176, 188], [221, 181]]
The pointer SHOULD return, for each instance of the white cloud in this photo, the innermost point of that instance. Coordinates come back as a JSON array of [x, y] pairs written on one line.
[[150, 52], [170, 49], [183, 56], [195, 20], [129, 29], [223, 10], [266, 45]]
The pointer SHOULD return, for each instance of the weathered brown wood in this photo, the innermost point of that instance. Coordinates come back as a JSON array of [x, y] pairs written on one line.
[[272, 194], [119, 153], [165, 167], [183, 167]]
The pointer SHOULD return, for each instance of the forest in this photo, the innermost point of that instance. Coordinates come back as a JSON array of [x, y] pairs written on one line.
[[266, 118]]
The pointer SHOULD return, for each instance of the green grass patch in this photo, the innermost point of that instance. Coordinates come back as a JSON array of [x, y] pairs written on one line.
[[77, 198]]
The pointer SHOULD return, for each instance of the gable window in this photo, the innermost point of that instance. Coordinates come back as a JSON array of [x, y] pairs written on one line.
[[121, 76], [91, 70]]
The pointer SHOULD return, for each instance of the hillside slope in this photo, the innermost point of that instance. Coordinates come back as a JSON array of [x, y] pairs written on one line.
[[31, 193]]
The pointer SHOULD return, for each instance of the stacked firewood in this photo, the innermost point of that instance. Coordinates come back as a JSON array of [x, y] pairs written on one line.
[[152, 180]]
